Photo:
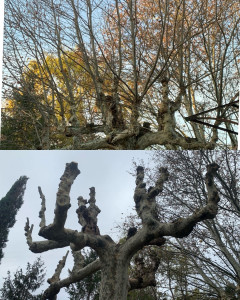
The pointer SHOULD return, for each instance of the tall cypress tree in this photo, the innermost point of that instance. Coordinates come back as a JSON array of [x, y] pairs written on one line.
[[9, 206]]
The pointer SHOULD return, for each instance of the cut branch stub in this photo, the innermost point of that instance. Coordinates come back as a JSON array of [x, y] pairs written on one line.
[[211, 172], [183, 226], [54, 280], [145, 201], [213, 197], [56, 230], [154, 191], [82, 211], [43, 208], [63, 199], [145, 272], [28, 232], [87, 216], [60, 266], [41, 246]]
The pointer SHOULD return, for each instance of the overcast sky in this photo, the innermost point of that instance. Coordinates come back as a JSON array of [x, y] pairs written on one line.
[[107, 171]]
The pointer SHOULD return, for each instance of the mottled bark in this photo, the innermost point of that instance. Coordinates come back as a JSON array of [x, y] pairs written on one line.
[[129, 140]]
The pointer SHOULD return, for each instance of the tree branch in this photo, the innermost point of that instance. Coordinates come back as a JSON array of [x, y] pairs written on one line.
[[52, 231], [87, 216], [183, 226], [55, 287], [43, 208], [145, 201]]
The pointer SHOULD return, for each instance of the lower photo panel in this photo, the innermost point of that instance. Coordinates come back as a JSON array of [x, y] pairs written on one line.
[[118, 225]]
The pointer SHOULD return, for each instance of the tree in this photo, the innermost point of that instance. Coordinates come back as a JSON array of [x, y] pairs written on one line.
[[22, 122], [114, 258], [212, 251], [125, 73], [88, 288], [21, 286], [9, 206]]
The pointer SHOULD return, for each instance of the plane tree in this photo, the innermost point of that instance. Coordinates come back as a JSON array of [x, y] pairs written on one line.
[[146, 66], [114, 258]]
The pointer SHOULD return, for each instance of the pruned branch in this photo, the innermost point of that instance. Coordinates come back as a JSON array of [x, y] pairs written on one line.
[[145, 201], [41, 246], [55, 231], [144, 273], [43, 208], [78, 262], [28, 232], [87, 216], [63, 199], [183, 226], [60, 266], [55, 287]]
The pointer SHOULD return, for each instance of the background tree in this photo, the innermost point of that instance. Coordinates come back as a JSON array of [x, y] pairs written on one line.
[[9, 206], [22, 285], [114, 258], [212, 251], [124, 74], [88, 288]]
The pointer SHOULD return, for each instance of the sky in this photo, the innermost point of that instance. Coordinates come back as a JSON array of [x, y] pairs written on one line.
[[107, 171]]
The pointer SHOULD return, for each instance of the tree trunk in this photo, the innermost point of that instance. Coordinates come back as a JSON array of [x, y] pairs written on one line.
[[114, 280], [46, 138], [134, 118]]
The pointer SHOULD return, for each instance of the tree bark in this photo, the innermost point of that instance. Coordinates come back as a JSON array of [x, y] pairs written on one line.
[[114, 279]]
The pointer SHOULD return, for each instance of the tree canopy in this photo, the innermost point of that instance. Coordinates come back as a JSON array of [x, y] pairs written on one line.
[[22, 285], [120, 74], [211, 253]]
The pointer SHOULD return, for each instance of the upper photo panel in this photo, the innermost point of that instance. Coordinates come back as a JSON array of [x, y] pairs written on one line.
[[120, 74]]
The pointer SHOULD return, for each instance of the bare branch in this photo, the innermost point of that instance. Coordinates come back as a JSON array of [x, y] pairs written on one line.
[[60, 266], [43, 208], [55, 287], [88, 216], [28, 232], [41, 246], [145, 200], [183, 226]]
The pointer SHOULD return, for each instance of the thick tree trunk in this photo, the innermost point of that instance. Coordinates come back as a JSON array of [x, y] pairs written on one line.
[[114, 280]]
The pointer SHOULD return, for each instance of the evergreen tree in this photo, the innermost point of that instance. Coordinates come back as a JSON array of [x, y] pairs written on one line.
[[9, 206], [21, 286], [88, 288]]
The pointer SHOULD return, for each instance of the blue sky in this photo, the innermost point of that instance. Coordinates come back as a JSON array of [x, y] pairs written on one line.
[[107, 171]]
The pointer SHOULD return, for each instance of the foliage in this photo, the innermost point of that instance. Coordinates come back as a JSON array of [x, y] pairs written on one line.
[[123, 74], [88, 288], [141, 295], [19, 131], [23, 284], [9, 206]]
